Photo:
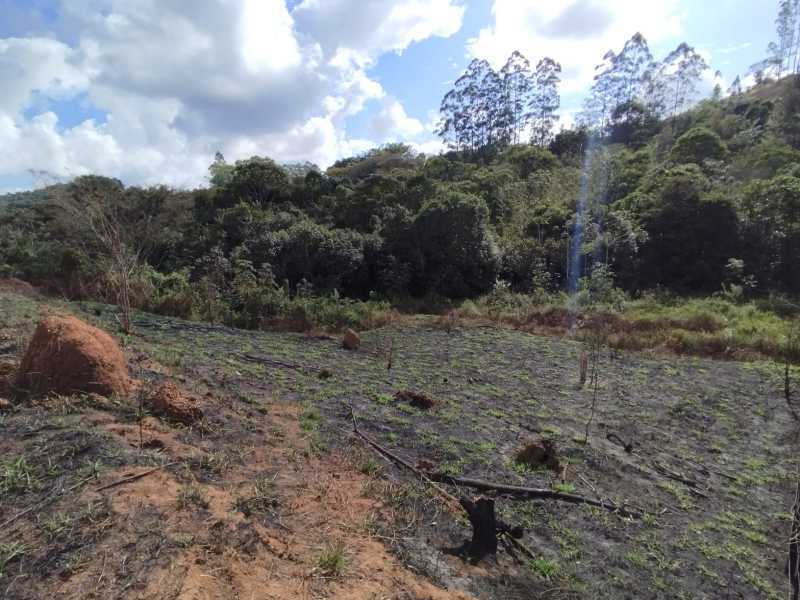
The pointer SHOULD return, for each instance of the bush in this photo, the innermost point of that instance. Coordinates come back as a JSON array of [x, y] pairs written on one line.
[[698, 145], [459, 256]]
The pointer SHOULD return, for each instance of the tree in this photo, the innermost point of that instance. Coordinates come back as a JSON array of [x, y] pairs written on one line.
[[473, 111], [736, 87], [698, 145], [545, 100], [459, 257], [633, 124], [517, 85], [219, 171], [691, 234], [256, 180], [771, 223], [602, 97], [631, 69], [98, 222], [783, 54], [673, 86]]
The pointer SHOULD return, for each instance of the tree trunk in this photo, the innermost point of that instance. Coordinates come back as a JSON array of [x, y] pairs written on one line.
[[484, 526]]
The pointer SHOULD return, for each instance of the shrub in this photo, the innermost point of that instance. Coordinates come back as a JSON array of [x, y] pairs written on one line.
[[459, 256], [698, 145]]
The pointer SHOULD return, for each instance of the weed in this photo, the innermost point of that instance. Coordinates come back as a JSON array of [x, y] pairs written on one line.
[[564, 488], [332, 560], [9, 553], [370, 466], [544, 568], [17, 476]]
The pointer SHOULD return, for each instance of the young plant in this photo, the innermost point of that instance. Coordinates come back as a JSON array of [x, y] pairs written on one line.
[[596, 340]]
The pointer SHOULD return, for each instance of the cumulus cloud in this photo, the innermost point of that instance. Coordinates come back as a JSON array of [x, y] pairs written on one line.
[[174, 82], [393, 124], [576, 33]]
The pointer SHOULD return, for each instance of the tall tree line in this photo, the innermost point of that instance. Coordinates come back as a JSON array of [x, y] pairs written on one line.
[[490, 108], [783, 55], [665, 88]]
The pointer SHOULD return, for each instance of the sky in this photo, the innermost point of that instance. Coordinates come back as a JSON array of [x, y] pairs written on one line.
[[149, 90]]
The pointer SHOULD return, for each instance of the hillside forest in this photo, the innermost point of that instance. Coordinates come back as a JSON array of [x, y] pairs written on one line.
[[654, 195]]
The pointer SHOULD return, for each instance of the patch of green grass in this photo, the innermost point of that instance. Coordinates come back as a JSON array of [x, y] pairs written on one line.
[[370, 466], [10, 552], [564, 488], [544, 568], [310, 419], [17, 476], [332, 559]]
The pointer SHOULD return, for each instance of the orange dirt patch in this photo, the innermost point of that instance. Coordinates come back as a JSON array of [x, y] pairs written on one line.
[[229, 556], [173, 403], [67, 356]]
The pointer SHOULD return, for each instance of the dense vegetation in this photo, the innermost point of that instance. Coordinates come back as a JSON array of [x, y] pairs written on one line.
[[640, 199]]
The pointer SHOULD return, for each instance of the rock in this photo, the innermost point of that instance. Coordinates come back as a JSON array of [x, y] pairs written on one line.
[[5, 405], [67, 356], [351, 341], [169, 401]]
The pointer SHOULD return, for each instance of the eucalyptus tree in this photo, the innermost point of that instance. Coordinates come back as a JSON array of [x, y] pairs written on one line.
[[518, 86], [545, 100], [673, 86]]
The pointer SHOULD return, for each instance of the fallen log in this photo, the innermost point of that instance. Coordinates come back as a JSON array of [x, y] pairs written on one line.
[[526, 493]]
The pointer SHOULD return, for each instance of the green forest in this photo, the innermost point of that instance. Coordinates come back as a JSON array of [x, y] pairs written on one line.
[[644, 206]]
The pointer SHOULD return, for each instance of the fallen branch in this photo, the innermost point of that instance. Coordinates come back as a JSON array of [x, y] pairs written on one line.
[[275, 363], [455, 503], [614, 438], [512, 490], [527, 493], [134, 477], [670, 474]]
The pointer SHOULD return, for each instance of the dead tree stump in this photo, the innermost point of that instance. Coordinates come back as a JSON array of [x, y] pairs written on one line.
[[484, 526]]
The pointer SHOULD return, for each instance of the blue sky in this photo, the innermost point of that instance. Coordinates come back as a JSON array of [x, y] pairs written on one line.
[[148, 90]]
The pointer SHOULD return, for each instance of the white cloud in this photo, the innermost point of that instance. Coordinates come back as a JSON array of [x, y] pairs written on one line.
[[177, 81], [393, 124], [372, 27], [577, 33]]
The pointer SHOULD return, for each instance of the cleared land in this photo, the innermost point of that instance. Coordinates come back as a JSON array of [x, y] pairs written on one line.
[[276, 499]]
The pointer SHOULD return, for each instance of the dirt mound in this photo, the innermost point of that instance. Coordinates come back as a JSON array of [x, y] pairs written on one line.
[[12, 284], [67, 356], [540, 454], [415, 399], [351, 340], [169, 401]]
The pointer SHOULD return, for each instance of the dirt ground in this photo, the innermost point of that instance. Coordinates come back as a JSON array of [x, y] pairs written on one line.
[[274, 497]]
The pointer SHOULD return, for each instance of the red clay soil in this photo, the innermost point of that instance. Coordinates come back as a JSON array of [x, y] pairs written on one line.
[[68, 356], [170, 401]]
